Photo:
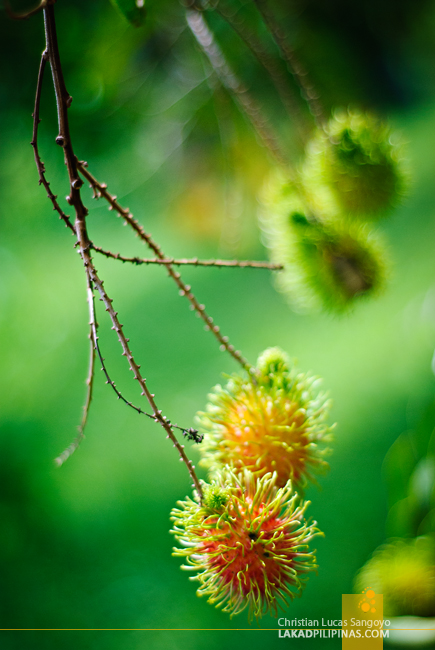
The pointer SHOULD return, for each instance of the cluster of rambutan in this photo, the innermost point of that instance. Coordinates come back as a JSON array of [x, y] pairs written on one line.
[[246, 536], [320, 226]]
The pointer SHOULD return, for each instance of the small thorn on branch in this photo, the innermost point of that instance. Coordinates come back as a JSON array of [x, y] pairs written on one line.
[[139, 230]]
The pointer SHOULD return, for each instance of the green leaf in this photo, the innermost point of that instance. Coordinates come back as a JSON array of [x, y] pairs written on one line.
[[133, 10]]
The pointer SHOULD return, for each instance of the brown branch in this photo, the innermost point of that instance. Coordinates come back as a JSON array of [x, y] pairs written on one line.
[[63, 100], [218, 62], [229, 80], [134, 367], [39, 164], [242, 264], [191, 434], [295, 68], [28, 14], [269, 64], [185, 290]]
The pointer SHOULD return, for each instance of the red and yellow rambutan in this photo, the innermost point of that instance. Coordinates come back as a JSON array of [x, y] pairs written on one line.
[[271, 422], [248, 542]]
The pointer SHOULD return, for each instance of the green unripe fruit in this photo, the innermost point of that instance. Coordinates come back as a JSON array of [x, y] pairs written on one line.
[[403, 570], [359, 159], [341, 263], [329, 262]]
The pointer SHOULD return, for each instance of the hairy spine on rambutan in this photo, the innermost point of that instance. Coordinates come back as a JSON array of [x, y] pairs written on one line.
[[274, 421], [360, 160], [252, 549], [329, 261]]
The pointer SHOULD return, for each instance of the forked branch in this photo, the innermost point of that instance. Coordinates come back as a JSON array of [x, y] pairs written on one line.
[[134, 367], [39, 164], [191, 434], [63, 101], [100, 189]]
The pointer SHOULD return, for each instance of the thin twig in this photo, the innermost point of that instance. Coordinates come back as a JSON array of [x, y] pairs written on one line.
[[39, 164], [63, 100], [185, 289], [242, 264], [299, 73], [60, 460], [206, 41], [134, 367], [27, 14], [217, 60], [191, 434], [269, 64]]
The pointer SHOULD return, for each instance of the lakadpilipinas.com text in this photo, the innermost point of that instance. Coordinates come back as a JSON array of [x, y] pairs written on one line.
[[306, 628]]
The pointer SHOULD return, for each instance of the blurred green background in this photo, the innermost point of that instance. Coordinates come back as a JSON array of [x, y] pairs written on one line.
[[87, 545]]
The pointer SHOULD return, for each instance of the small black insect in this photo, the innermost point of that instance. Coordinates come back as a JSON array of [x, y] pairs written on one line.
[[193, 435]]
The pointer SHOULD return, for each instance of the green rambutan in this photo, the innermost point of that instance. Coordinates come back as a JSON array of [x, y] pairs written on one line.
[[328, 261], [359, 159]]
